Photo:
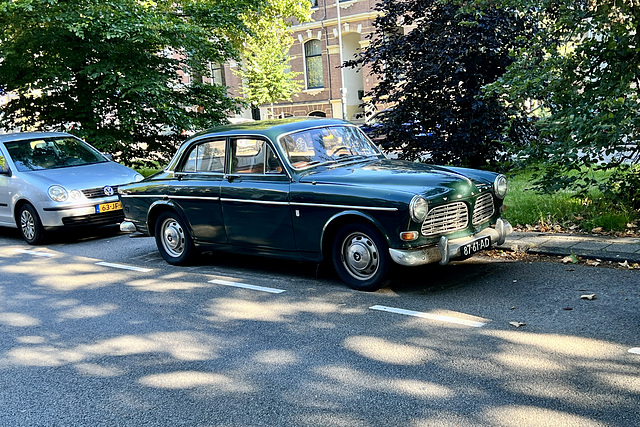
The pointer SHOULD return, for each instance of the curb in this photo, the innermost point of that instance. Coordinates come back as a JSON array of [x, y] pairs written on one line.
[[604, 248]]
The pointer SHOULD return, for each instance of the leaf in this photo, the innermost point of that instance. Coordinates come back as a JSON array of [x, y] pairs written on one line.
[[592, 262], [588, 296], [517, 324], [573, 259]]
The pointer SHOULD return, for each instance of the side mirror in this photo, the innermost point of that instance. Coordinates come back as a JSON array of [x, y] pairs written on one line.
[[108, 156]]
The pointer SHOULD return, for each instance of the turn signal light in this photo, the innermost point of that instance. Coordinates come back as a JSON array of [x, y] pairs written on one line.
[[409, 236]]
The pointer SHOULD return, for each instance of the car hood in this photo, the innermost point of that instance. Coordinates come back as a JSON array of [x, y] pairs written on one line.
[[409, 177], [85, 176]]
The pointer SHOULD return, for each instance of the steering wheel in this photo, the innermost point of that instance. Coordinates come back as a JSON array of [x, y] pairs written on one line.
[[341, 148]]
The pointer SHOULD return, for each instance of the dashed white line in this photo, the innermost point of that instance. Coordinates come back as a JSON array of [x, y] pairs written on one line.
[[123, 267], [36, 253], [246, 286], [635, 350], [429, 316]]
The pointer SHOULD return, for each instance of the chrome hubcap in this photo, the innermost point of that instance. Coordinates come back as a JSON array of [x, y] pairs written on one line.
[[173, 237], [360, 256], [27, 224]]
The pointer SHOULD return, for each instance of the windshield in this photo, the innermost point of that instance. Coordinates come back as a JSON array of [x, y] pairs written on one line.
[[326, 145], [51, 153]]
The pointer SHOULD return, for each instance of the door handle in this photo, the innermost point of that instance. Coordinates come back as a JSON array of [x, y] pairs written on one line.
[[231, 176]]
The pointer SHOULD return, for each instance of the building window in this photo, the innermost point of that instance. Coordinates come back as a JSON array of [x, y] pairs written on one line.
[[217, 73], [313, 64]]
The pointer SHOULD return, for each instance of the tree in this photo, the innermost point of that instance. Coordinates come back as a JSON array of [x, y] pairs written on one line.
[[582, 73], [265, 69], [432, 75], [107, 69]]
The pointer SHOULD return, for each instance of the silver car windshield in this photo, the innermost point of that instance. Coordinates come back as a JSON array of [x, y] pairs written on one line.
[[52, 153], [324, 145]]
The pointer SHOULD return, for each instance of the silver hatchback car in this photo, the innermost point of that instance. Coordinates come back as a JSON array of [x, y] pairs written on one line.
[[55, 180]]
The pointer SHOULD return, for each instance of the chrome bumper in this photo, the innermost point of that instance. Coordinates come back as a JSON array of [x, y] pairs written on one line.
[[128, 227], [446, 250]]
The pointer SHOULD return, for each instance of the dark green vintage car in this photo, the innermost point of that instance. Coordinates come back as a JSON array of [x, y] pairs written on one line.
[[314, 189]]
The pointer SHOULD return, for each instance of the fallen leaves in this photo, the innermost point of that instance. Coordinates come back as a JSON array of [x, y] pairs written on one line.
[[588, 296], [517, 324]]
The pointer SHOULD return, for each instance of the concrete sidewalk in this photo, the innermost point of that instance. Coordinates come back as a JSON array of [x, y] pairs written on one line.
[[587, 246]]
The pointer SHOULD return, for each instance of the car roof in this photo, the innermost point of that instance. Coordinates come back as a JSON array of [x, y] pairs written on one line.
[[270, 128], [26, 136]]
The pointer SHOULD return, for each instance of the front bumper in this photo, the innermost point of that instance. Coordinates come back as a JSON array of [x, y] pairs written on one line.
[[446, 249], [78, 214]]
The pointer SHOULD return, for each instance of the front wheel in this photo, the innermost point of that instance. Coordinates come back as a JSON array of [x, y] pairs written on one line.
[[173, 239], [30, 225], [361, 257]]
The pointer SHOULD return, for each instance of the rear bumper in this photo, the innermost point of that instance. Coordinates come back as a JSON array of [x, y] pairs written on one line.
[[446, 249]]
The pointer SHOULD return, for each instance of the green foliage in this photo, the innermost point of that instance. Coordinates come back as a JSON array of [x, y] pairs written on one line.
[[106, 69], [565, 209], [265, 67], [433, 75], [582, 73]]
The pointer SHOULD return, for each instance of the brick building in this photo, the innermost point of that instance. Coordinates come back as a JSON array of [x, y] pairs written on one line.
[[316, 54]]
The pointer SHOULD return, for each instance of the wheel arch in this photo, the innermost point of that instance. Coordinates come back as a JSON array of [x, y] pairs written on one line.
[[336, 222], [159, 207], [16, 209]]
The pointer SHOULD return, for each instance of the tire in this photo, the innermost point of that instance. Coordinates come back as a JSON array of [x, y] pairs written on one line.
[[173, 239], [361, 257], [30, 225]]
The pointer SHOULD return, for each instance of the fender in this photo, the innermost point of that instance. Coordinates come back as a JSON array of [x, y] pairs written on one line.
[[351, 213], [156, 207]]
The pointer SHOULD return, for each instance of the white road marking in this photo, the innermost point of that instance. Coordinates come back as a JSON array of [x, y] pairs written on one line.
[[635, 350], [36, 253], [429, 316], [247, 286], [124, 267]]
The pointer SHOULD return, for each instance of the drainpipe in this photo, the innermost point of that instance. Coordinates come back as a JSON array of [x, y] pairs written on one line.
[[343, 89]]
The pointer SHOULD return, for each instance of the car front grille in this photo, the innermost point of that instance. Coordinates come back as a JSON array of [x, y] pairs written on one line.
[[455, 216], [95, 193], [445, 219], [484, 209]]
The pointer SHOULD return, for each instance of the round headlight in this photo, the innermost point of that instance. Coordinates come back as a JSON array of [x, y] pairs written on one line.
[[58, 193], [500, 186], [418, 208], [76, 195]]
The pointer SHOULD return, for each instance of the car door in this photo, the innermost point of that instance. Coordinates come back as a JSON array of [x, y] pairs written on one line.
[[196, 189], [255, 197], [5, 191]]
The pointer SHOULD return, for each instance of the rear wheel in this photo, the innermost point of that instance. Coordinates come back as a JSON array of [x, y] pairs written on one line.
[[30, 225], [361, 257], [173, 239]]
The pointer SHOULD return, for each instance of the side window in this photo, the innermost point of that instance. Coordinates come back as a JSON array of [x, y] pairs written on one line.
[[253, 156], [206, 157]]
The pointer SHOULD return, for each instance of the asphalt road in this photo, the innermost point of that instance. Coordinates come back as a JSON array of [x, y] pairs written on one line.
[[84, 342]]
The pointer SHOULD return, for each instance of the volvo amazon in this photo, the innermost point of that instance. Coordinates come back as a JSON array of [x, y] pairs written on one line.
[[316, 190]]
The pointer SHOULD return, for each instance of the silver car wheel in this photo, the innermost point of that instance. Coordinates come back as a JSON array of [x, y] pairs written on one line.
[[27, 224], [173, 238], [360, 256]]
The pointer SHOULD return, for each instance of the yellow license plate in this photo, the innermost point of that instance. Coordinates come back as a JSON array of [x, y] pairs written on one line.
[[108, 207]]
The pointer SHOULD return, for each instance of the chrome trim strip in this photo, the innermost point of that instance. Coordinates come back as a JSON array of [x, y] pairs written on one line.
[[213, 198], [369, 208], [269, 202], [166, 196], [257, 202]]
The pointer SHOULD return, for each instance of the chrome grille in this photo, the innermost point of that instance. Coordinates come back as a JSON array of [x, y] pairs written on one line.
[[95, 193], [445, 219], [484, 209]]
